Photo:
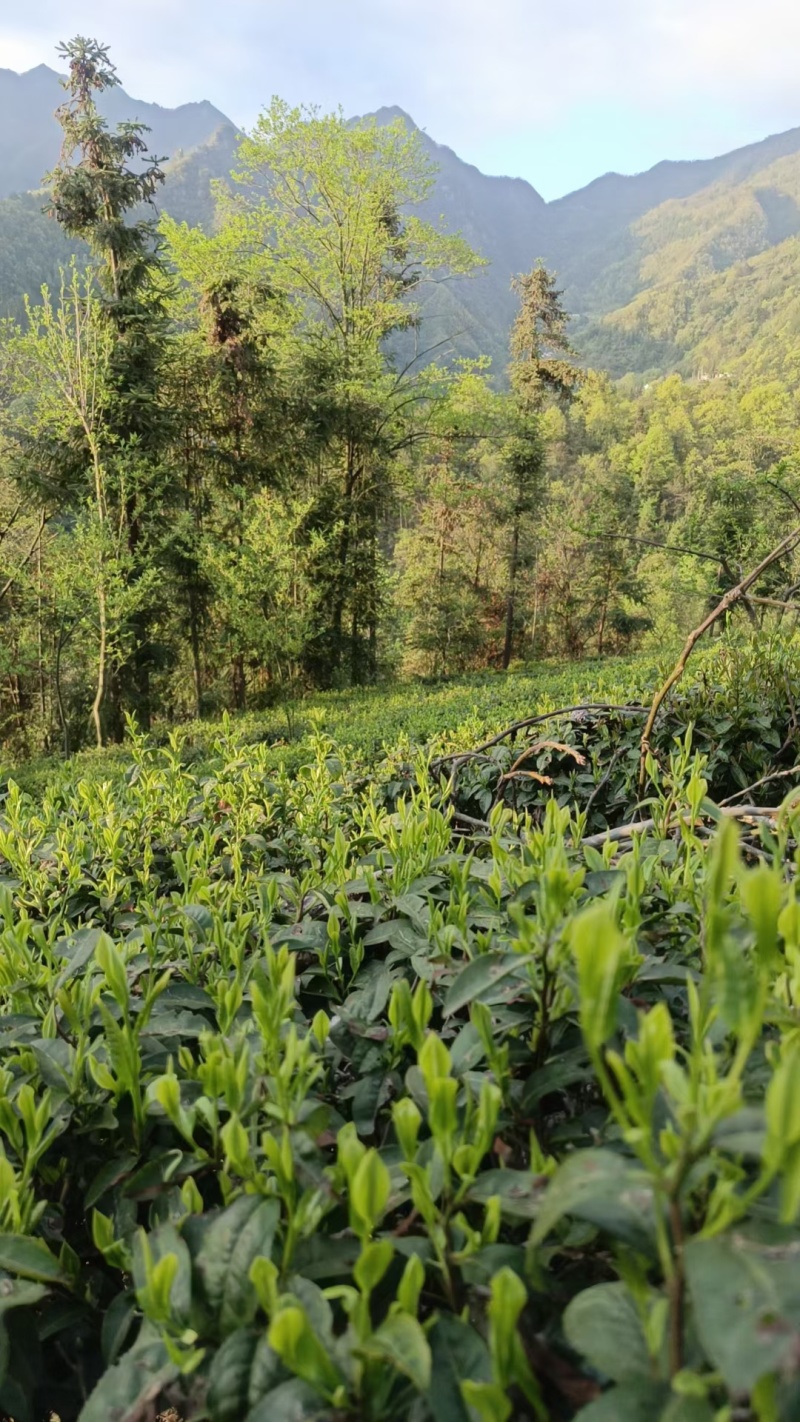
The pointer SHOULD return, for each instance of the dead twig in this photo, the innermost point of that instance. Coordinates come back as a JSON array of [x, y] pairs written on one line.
[[732, 596], [526, 775], [533, 750], [733, 812], [471, 822], [765, 780], [773, 483], [665, 548], [457, 758], [775, 602], [10, 581]]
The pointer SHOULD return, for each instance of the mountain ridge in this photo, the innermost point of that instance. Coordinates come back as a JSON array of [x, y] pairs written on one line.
[[633, 252], [33, 97]]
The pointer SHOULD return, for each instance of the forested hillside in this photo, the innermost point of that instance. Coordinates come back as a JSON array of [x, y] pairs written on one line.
[[399, 934], [650, 264], [260, 469], [705, 275]]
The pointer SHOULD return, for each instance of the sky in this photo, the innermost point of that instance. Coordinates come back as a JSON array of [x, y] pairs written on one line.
[[557, 93]]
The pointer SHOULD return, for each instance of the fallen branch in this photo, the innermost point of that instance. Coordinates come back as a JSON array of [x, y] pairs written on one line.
[[624, 832], [461, 757], [765, 780], [733, 812], [532, 750], [734, 595], [776, 602], [471, 822]]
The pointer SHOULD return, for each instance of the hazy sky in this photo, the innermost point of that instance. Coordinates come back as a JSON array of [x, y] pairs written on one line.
[[554, 92]]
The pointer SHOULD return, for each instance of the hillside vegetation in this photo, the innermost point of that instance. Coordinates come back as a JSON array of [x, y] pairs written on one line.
[[718, 271], [399, 1001], [284, 483], [638, 256]]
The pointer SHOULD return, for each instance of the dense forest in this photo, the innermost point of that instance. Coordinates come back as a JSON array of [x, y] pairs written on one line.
[[234, 464]]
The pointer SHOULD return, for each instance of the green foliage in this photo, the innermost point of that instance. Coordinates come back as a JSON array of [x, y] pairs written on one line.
[[311, 1107], [256, 481], [369, 1056], [240, 440], [656, 502]]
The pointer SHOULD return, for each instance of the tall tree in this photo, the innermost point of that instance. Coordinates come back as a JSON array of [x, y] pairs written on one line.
[[64, 453], [542, 367], [327, 209], [450, 557], [102, 178], [242, 426]]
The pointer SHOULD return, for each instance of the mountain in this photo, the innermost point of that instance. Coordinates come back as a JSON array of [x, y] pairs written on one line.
[[199, 141], [690, 266], [692, 280], [504, 219], [30, 136], [600, 220]]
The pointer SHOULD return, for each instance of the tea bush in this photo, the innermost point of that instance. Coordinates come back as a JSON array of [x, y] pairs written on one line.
[[368, 720], [342, 1091]]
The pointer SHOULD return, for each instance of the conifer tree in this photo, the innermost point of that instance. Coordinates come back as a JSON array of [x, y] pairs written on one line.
[[103, 177], [541, 366]]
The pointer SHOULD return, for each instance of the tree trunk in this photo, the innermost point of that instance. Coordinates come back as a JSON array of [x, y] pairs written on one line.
[[59, 698], [239, 683], [102, 609], [476, 583], [355, 652], [197, 666], [343, 556], [511, 597], [101, 667], [40, 647], [138, 677]]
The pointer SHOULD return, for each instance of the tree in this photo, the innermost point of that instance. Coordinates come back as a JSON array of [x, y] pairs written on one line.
[[327, 214], [541, 367], [448, 557], [102, 177], [65, 452], [241, 426]]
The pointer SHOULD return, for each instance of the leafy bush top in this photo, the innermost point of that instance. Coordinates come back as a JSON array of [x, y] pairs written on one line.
[[318, 1102]]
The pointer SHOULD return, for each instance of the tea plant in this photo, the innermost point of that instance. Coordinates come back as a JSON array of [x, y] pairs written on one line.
[[319, 1101]]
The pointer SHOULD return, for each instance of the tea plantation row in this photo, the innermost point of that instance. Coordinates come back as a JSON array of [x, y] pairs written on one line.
[[354, 1083]]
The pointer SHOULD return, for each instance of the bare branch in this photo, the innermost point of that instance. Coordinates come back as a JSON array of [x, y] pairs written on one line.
[[792, 500], [10, 581], [765, 780], [667, 547], [734, 595], [734, 812], [457, 758]]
